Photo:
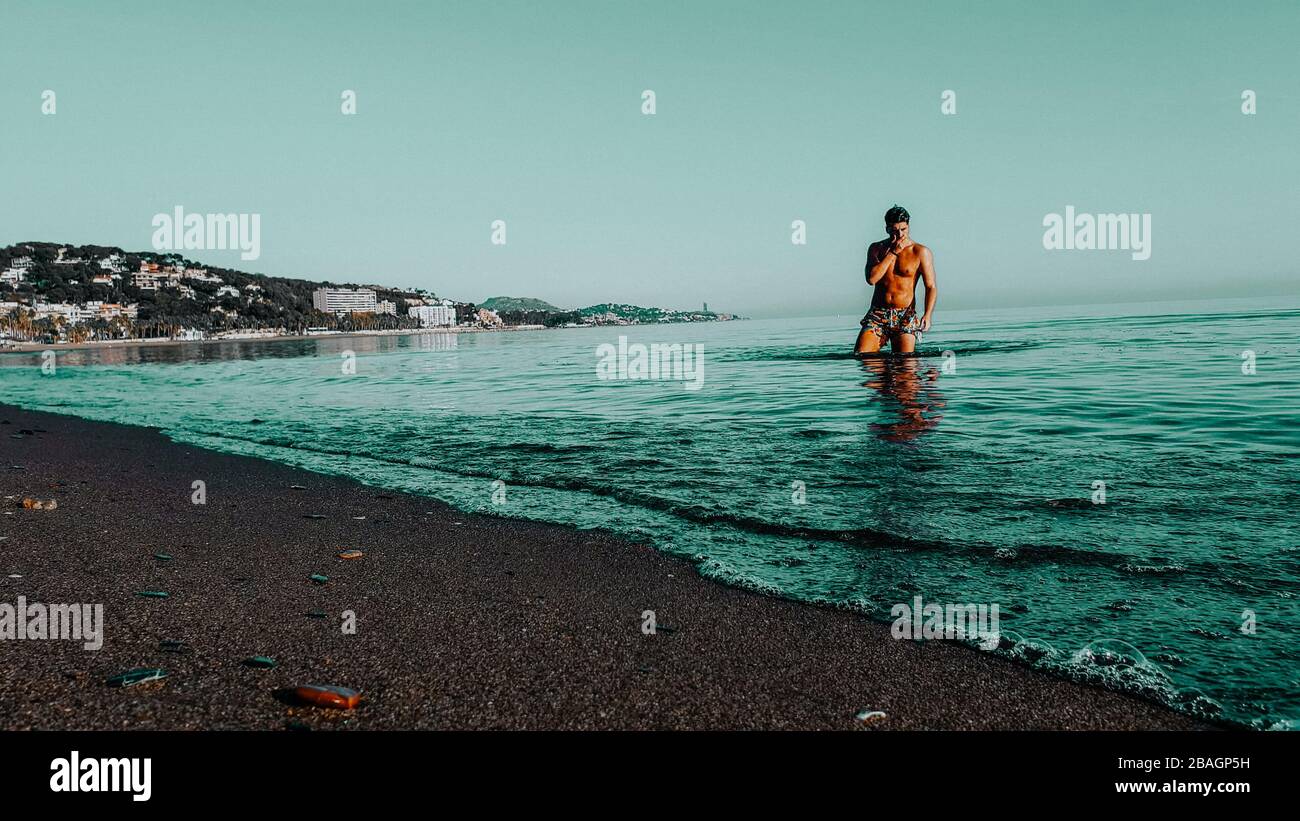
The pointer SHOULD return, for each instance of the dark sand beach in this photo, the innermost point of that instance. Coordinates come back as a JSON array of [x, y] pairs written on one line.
[[463, 621]]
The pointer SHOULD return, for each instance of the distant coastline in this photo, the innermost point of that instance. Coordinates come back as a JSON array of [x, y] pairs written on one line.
[[9, 346], [53, 294]]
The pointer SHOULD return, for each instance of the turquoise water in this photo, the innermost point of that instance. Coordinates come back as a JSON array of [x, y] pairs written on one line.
[[974, 484]]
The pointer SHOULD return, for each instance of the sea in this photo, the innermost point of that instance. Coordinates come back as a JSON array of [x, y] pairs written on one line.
[[1123, 481]]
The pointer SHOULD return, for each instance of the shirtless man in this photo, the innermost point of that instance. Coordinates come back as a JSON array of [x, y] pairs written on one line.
[[893, 266]]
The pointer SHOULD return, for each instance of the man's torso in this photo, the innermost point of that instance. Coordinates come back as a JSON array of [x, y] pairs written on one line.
[[897, 289]]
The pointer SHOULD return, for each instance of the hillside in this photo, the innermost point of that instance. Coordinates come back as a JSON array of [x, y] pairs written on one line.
[[639, 315], [52, 293], [502, 304], [109, 293]]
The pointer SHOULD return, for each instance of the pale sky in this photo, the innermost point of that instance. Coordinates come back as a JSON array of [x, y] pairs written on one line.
[[766, 112]]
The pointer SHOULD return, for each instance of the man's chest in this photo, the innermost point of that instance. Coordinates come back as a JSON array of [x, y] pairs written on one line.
[[905, 267]]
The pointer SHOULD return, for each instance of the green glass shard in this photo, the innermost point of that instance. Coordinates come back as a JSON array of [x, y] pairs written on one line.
[[135, 677]]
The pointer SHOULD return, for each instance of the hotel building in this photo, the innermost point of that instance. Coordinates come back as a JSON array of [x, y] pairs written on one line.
[[343, 300]]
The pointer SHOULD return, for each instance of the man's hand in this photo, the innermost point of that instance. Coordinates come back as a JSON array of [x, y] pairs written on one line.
[[897, 246], [931, 292]]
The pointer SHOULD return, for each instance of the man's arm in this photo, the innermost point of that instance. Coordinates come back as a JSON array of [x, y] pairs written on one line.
[[885, 258], [931, 292]]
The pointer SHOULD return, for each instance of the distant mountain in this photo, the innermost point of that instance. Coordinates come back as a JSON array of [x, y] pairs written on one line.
[[502, 304], [635, 313], [529, 311]]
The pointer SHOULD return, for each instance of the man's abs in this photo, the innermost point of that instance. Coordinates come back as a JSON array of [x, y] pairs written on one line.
[[895, 291]]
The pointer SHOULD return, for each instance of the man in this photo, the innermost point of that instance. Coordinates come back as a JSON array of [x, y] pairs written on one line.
[[895, 266]]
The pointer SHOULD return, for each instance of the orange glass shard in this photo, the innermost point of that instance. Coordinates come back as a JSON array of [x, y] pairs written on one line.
[[327, 695]]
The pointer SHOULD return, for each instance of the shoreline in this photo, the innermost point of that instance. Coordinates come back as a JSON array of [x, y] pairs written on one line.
[[464, 621], [30, 347], [33, 347]]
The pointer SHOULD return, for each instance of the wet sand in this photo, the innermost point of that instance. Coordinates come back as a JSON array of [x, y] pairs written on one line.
[[462, 621]]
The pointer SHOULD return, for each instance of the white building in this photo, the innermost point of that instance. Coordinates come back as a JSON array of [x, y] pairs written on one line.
[[200, 275], [72, 314], [228, 290], [386, 307], [108, 310], [344, 300], [438, 315], [66, 260], [113, 263], [17, 270]]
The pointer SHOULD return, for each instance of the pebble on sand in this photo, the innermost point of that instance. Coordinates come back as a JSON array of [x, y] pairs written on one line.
[[319, 579], [136, 676], [870, 716], [152, 594], [328, 695], [163, 557], [37, 504], [261, 662], [351, 554]]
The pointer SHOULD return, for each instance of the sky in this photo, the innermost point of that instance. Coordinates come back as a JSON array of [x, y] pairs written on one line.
[[765, 113]]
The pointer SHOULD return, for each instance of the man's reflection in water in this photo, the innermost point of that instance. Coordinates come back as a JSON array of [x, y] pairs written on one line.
[[915, 390]]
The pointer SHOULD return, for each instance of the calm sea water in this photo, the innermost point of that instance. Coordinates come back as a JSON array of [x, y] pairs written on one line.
[[798, 471]]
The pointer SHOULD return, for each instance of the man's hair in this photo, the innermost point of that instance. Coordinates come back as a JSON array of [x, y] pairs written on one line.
[[897, 214]]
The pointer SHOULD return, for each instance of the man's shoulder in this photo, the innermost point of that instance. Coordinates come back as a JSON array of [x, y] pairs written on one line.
[[921, 249]]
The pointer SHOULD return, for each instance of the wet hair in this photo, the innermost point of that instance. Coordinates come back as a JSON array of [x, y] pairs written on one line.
[[897, 214]]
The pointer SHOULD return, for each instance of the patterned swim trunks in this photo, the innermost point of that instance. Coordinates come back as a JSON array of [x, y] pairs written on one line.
[[886, 323]]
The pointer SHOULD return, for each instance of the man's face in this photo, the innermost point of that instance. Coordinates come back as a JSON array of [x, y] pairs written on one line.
[[897, 231]]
